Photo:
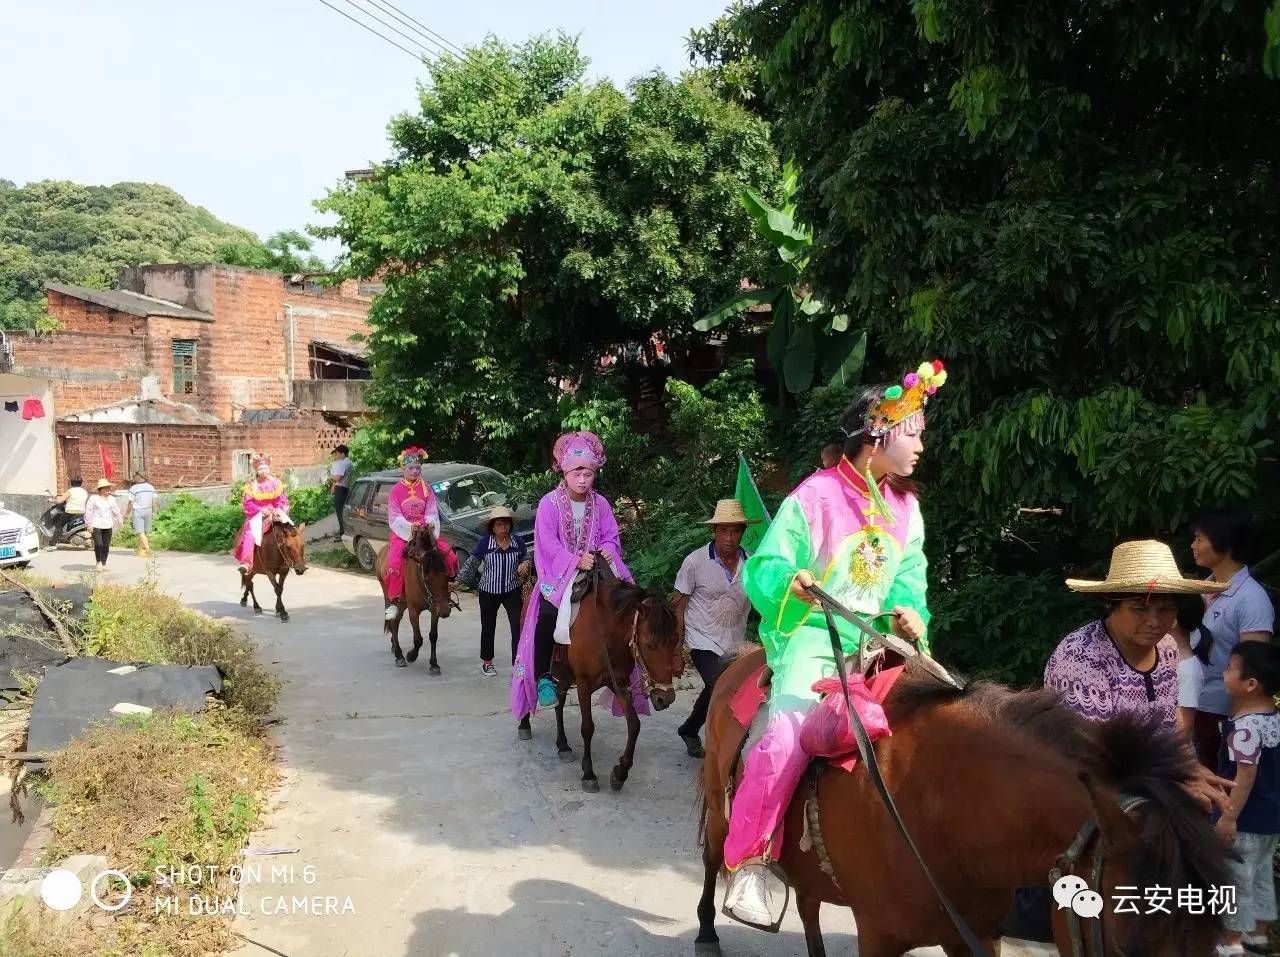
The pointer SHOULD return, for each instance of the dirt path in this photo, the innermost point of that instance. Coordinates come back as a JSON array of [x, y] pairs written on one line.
[[412, 797]]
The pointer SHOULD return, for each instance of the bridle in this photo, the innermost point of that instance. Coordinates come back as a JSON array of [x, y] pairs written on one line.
[[432, 602], [1066, 865], [633, 643], [650, 686], [277, 529]]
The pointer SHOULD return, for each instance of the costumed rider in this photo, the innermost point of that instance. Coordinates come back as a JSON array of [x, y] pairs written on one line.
[[573, 524], [856, 531], [265, 501], [411, 505]]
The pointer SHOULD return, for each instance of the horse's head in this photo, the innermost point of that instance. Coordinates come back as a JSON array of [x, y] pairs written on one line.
[[293, 546], [433, 574], [656, 639]]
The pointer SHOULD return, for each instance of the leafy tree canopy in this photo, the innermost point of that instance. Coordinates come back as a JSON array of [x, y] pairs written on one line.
[[283, 252], [528, 223], [1076, 208], [57, 231]]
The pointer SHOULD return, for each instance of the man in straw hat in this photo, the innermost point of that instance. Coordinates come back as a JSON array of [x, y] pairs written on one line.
[[714, 606]]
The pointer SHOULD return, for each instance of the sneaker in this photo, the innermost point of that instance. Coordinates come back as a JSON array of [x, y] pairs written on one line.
[[1228, 950], [747, 898], [548, 694], [488, 670], [390, 613]]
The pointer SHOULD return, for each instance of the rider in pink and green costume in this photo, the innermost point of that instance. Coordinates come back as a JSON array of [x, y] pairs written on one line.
[[856, 531]]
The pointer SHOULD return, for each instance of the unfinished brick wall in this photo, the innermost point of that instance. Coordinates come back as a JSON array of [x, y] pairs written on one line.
[[306, 440], [76, 315], [334, 315], [85, 369], [161, 333], [248, 343], [177, 456]]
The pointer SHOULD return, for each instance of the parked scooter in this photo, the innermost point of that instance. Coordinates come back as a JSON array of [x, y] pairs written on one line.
[[58, 528]]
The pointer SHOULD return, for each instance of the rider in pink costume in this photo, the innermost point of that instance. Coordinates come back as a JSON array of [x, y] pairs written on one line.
[[411, 505], [264, 493]]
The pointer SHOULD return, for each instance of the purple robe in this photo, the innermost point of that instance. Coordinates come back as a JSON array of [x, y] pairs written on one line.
[[555, 559]]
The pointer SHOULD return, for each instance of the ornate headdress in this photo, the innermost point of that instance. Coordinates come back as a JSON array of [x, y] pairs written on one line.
[[259, 459], [575, 449], [413, 456], [902, 406]]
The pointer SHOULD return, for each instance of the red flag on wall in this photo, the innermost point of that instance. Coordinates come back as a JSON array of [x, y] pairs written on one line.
[[108, 466]]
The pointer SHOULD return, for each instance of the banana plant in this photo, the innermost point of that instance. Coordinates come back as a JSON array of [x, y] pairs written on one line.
[[806, 337]]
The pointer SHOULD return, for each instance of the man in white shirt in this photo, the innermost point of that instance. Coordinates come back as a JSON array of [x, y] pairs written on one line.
[[142, 499], [714, 606], [340, 482]]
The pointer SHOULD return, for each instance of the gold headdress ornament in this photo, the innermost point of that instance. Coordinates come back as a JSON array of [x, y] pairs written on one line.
[[903, 405]]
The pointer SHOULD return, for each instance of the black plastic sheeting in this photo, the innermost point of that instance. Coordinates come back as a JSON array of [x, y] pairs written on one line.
[[20, 620], [74, 695]]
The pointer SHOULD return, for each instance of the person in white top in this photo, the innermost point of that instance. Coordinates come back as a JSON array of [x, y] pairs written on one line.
[[73, 501], [714, 607], [1193, 656], [142, 499], [102, 517]]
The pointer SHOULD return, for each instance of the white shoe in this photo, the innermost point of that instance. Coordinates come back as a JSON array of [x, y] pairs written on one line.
[[390, 613], [102, 567], [748, 899]]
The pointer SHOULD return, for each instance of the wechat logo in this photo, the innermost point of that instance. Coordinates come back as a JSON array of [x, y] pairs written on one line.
[[1072, 891]]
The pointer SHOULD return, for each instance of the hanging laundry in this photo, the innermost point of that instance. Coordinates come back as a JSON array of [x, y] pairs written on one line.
[[33, 409], [11, 407]]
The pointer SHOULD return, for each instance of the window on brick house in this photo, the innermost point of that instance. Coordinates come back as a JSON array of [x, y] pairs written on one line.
[[184, 367]]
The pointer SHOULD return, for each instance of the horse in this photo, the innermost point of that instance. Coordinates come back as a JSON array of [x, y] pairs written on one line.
[[283, 550], [426, 588], [620, 626], [995, 786]]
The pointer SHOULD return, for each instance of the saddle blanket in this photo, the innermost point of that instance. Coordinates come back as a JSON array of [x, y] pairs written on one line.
[[750, 698]]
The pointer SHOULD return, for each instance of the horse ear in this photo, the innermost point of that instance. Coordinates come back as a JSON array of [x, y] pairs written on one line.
[[1118, 829]]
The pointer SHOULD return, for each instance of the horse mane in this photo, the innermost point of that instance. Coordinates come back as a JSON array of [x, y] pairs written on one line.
[[424, 550], [1133, 755], [627, 598]]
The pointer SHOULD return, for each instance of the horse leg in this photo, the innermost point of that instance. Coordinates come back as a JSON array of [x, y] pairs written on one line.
[[524, 730], [257, 609], [618, 776], [808, 908], [707, 943], [435, 633], [392, 628], [244, 594], [589, 781], [562, 741], [278, 583], [415, 621]]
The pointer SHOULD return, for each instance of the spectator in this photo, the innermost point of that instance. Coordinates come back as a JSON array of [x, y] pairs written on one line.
[[73, 501], [102, 517], [1251, 823], [142, 498], [831, 455], [340, 482], [498, 562], [1222, 545], [714, 607], [1193, 655]]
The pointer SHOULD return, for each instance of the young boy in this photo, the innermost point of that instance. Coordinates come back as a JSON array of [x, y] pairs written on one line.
[[1251, 755]]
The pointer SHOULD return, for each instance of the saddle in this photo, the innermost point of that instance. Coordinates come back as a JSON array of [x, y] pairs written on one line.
[[584, 580]]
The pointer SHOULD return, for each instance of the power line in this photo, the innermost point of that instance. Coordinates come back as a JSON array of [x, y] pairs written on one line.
[[417, 56]]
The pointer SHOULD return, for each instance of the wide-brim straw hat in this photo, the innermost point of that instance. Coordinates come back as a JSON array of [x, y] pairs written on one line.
[[729, 512], [496, 513], [105, 483], [1145, 568]]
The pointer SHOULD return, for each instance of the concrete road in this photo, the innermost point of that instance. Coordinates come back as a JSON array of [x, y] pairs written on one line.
[[411, 798]]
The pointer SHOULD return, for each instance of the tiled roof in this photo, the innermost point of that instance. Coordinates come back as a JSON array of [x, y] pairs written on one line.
[[134, 303]]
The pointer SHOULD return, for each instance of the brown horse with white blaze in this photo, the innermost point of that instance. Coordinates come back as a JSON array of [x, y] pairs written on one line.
[[994, 786], [619, 627], [426, 588], [283, 550]]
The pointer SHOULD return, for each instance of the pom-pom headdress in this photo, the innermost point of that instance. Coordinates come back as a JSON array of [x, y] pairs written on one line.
[[902, 406], [413, 456], [576, 449], [260, 459]]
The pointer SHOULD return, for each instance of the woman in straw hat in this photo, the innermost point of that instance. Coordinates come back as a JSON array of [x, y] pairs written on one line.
[[102, 517], [855, 530], [714, 606], [495, 566]]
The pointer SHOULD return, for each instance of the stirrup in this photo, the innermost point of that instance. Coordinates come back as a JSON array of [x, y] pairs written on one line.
[[771, 872]]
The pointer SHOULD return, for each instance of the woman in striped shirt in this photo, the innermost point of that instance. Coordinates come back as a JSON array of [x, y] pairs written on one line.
[[496, 563]]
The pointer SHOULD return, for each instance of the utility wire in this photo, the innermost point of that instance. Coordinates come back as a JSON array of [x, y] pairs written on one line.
[[445, 45], [417, 56]]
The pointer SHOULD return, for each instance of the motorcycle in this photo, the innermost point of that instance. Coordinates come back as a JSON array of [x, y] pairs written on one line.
[[57, 528]]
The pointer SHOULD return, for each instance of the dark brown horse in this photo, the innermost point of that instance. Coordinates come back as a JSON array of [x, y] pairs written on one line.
[[426, 588], [993, 785], [619, 626], [283, 550]]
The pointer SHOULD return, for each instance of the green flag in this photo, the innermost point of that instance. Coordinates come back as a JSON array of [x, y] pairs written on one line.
[[748, 496]]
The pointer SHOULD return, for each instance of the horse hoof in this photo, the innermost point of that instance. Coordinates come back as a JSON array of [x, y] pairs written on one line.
[[284, 617], [401, 663], [435, 670], [566, 755], [413, 654], [244, 602], [616, 782], [524, 734], [257, 611], [591, 786], [706, 949]]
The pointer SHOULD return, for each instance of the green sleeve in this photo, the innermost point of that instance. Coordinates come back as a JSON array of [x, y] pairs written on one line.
[[767, 578], [911, 583]]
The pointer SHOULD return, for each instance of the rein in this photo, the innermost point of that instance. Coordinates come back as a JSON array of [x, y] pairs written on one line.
[[868, 754], [279, 543]]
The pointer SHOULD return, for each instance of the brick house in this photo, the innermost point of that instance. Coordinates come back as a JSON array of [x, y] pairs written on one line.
[[181, 371]]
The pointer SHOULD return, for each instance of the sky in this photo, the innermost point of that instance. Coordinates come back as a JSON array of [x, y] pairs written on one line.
[[254, 109]]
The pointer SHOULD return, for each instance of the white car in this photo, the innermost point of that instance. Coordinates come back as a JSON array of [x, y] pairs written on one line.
[[18, 539]]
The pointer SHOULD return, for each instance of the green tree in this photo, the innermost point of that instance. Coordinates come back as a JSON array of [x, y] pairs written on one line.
[[529, 223], [1076, 209], [283, 252]]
